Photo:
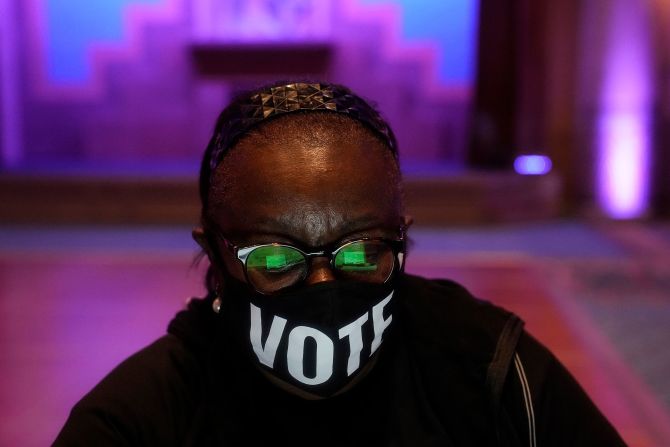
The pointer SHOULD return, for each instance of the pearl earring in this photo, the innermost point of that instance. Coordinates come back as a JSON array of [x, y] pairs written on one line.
[[216, 305]]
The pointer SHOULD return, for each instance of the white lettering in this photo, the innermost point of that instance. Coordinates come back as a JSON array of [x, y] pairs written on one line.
[[296, 350], [266, 355], [379, 323], [355, 333]]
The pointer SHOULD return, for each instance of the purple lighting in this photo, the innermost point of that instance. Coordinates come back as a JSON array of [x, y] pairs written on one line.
[[623, 124], [532, 164], [10, 100], [623, 167]]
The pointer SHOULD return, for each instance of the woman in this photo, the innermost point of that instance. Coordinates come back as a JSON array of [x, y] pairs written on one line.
[[311, 333]]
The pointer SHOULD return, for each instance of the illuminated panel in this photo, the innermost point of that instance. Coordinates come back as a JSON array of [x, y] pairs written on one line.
[[450, 23], [624, 165], [623, 124], [72, 26]]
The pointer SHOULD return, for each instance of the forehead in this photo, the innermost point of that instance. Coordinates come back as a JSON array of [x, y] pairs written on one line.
[[314, 189]]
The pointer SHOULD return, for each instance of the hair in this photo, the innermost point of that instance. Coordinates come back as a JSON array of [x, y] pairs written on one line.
[[350, 118]]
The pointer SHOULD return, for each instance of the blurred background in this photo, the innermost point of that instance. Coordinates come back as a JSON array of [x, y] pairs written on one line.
[[534, 140]]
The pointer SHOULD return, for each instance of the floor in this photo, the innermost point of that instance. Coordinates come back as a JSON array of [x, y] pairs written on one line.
[[74, 301]]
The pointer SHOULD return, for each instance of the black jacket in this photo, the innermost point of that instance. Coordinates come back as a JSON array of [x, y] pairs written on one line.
[[454, 371]]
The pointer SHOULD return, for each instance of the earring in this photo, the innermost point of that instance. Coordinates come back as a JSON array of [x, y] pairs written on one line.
[[216, 304]]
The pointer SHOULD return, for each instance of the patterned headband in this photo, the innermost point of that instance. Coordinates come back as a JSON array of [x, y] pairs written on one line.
[[276, 101]]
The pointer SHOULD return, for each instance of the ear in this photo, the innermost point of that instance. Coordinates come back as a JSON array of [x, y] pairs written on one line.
[[200, 237], [408, 220]]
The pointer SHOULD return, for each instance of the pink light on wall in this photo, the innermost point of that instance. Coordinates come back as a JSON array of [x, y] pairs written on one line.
[[10, 103], [624, 164], [623, 123]]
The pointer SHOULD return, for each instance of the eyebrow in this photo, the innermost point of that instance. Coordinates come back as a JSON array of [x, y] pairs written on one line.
[[272, 226]]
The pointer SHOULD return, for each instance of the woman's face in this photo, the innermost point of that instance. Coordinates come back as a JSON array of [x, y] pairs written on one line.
[[305, 192]]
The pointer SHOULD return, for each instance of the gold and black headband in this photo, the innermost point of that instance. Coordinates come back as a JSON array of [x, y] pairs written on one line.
[[245, 113]]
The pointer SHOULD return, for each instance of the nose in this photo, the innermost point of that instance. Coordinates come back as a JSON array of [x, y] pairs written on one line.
[[320, 271]]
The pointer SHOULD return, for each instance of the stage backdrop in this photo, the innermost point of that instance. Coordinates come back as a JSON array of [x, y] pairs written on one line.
[[133, 84]]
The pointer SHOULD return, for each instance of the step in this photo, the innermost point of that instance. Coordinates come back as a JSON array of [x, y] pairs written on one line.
[[434, 197]]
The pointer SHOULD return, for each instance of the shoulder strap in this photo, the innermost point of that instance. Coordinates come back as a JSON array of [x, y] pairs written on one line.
[[502, 359]]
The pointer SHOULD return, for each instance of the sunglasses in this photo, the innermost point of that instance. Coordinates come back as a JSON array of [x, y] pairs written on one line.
[[270, 268]]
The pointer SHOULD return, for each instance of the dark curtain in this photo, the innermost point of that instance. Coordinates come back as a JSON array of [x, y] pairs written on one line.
[[508, 109], [661, 122]]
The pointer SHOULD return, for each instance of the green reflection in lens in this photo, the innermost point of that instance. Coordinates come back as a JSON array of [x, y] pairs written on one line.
[[355, 258], [274, 258], [275, 261]]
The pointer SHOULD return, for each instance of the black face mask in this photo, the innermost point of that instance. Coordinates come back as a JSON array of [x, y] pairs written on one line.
[[317, 338]]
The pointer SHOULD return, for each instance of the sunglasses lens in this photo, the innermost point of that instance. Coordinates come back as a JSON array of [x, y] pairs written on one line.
[[368, 261], [273, 267]]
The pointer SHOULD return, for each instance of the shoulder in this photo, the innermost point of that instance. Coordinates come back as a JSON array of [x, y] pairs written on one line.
[[149, 399], [444, 312], [545, 402], [454, 337], [163, 365], [465, 348]]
